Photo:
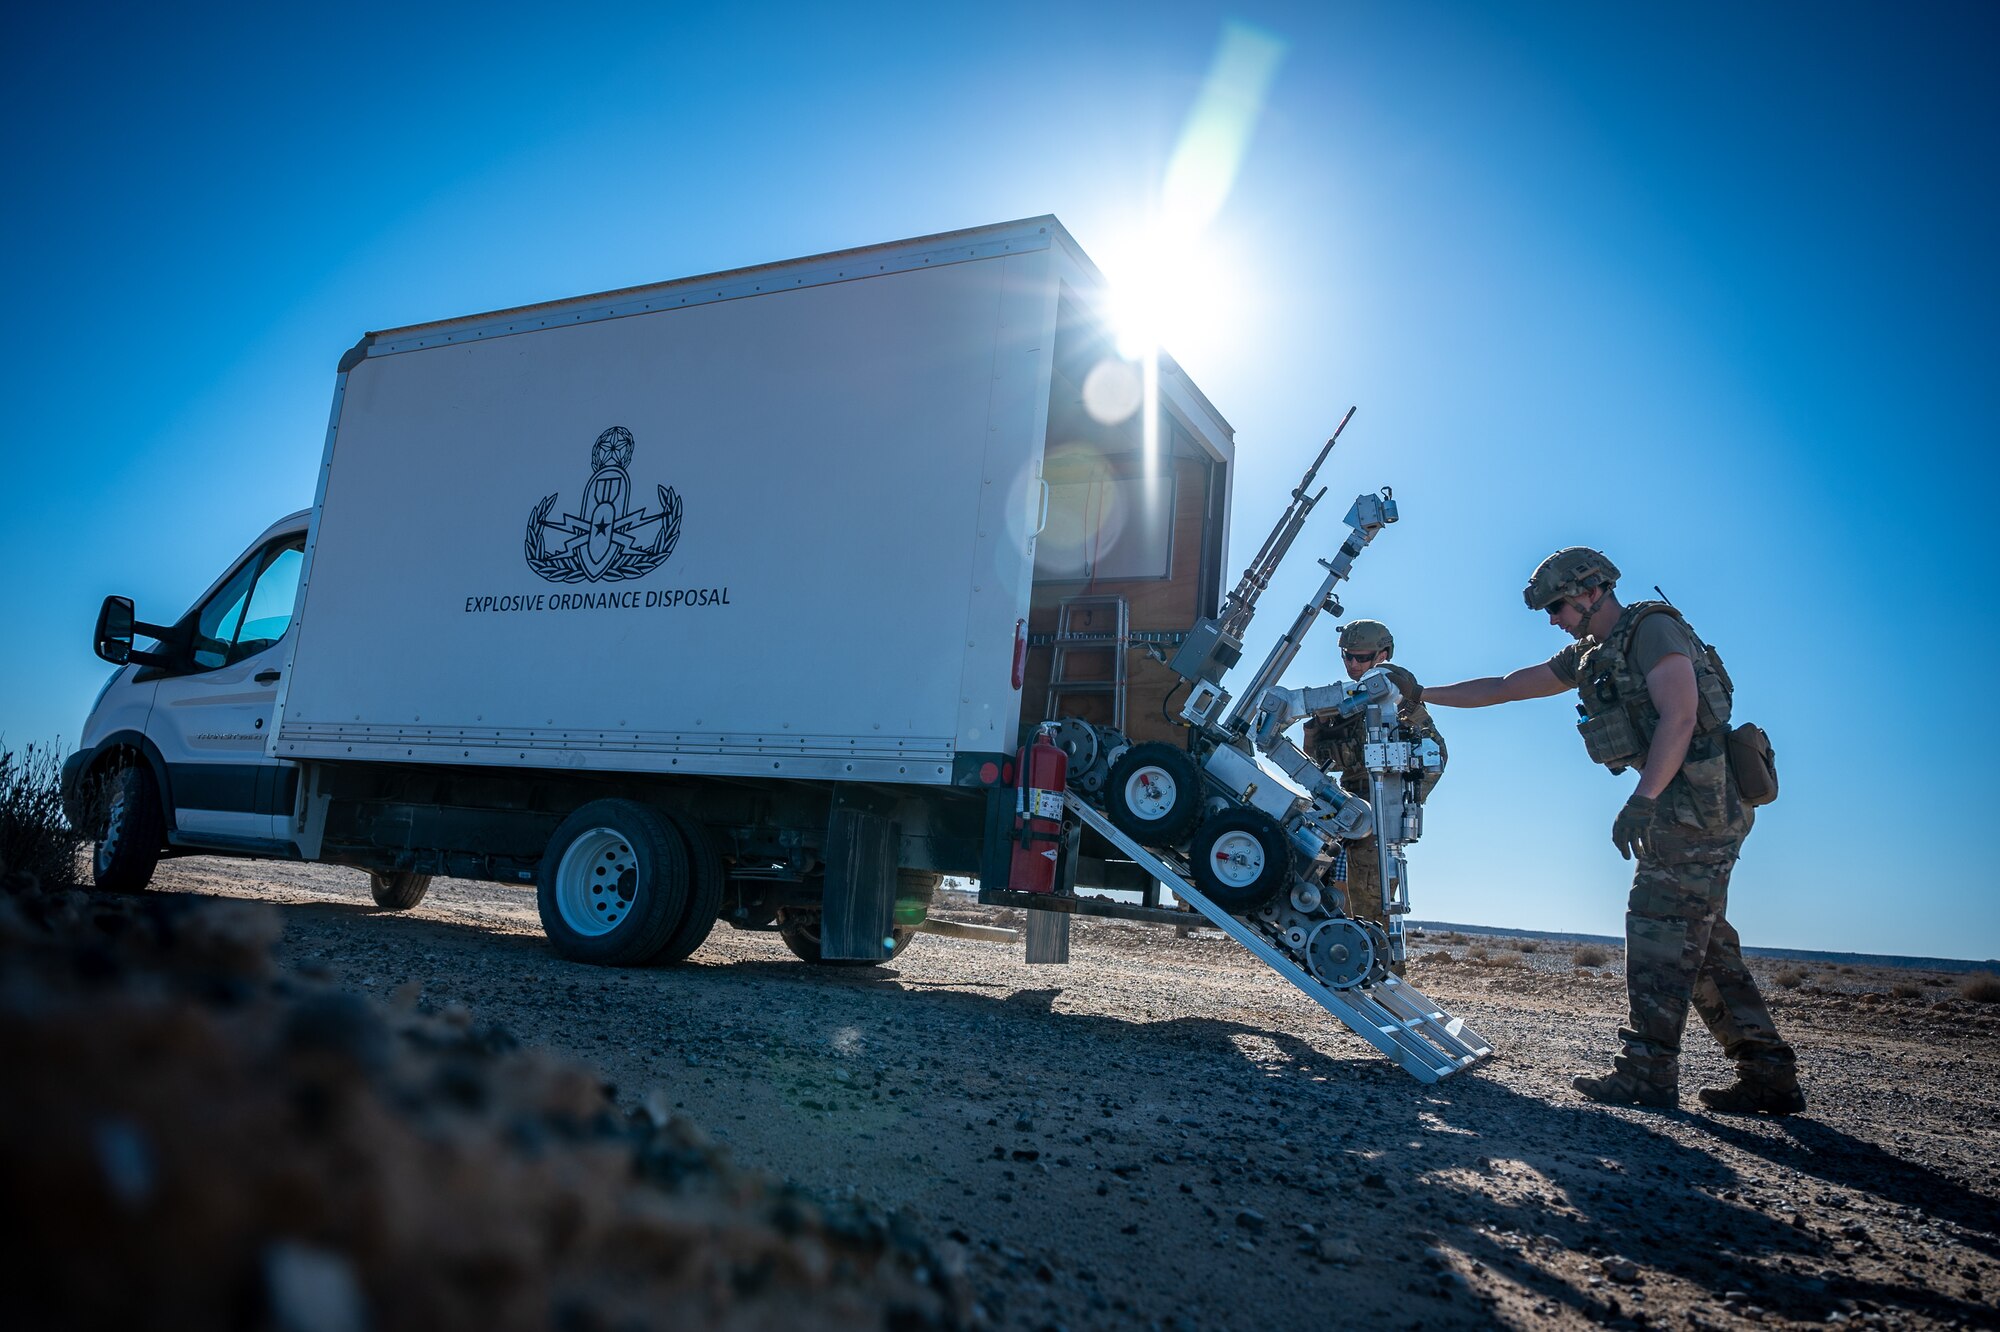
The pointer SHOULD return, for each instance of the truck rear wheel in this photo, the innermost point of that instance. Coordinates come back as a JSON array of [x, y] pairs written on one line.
[[135, 831], [704, 897], [1153, 794], [398, 890], [613, 884]]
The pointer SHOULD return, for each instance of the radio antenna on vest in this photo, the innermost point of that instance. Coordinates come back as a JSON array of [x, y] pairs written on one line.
[[1663, 596]]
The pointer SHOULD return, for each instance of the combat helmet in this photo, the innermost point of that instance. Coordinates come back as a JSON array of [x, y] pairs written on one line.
[[1366, 636], [1569, 572]]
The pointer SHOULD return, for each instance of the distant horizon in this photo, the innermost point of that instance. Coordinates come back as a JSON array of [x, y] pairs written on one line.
[[1811, 954], [959, 884]]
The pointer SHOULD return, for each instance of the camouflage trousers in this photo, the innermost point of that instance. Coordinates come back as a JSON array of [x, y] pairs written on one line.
[[1364, 886], [1681, 949]]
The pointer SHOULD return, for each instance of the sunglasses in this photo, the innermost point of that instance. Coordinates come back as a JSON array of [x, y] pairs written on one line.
[[1359, 656]]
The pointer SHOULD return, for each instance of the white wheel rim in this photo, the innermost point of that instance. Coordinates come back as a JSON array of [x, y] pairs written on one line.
[[1237, 858], [1150, 793], [597, 882]]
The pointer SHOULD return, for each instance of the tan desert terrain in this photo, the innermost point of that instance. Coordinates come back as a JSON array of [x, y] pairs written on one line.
[[1163, 1134]]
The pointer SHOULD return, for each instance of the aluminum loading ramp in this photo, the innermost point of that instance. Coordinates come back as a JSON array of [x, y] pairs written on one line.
[[1391, 1015]]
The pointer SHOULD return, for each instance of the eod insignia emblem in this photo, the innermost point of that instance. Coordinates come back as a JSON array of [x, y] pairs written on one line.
[[606, 540]]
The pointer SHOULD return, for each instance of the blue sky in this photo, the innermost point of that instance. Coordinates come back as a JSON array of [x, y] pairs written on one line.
[[1710, 287]]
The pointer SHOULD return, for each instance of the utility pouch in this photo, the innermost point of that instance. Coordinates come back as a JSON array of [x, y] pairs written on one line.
[[1610, 738], [1754, 764]]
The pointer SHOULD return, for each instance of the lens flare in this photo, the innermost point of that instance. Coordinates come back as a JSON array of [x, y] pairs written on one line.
[[1212, 143], [1167, 287], [1111, 391]]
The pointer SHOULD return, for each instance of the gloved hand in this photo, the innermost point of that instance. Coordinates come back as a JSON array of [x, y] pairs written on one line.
[[1406, 683], [1629, 829]]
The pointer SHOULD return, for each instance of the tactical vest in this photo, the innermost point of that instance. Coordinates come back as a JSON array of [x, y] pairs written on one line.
[[1618, 718]]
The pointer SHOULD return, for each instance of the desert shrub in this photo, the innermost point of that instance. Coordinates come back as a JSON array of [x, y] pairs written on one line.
[[1981, 987], [1507, 958], [1531, 945], [1478, 952], [1791, 978], [37, 846], [1907, 990], [1589, 955]]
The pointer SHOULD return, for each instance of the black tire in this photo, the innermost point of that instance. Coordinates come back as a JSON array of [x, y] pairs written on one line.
[[397, 890], [134, 833], [1139, 772], [1258, 859], [705, 882], [799, 928], [613, 884], [915, 891]]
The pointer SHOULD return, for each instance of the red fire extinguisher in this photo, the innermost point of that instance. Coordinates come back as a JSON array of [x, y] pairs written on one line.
[[1038, 810]]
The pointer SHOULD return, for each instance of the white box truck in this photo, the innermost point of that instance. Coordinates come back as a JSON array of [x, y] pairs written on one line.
[[736, 598]]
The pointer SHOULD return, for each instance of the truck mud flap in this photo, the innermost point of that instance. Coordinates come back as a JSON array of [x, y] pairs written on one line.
[[1393, 1016], [860, 906]]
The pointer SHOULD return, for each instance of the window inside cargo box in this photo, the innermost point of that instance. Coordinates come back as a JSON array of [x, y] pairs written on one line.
[[1112, 500], [1107, 526]]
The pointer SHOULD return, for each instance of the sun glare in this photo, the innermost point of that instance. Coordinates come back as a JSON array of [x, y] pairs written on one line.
[[1169, 287], [1177, 297]]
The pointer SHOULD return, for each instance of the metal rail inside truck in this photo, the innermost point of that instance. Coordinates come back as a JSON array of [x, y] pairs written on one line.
[[771, 597]]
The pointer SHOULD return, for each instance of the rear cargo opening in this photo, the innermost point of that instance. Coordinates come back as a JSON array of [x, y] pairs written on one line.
[[1128, 527]]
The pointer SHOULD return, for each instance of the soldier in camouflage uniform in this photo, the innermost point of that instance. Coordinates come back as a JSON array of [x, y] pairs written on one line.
[[1336, 742], [1656, 698]]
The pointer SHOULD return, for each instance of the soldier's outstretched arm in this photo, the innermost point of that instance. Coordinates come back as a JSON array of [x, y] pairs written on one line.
[[1537, 681]]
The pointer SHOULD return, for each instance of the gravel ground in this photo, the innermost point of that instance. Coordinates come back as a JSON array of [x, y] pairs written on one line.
[[1162, 1133]]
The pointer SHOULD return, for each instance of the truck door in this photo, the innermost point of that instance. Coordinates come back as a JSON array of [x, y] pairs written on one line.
[[211, 722]]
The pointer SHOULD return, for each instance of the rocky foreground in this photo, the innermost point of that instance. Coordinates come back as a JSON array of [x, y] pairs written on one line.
[[192, 1138], [253, 1098]]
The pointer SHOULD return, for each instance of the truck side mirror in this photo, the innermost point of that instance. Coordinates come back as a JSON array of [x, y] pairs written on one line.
[[115, 628], [113, 639]]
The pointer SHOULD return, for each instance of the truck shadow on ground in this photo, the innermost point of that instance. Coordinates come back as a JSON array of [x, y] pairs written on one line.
[[1530, 1188]]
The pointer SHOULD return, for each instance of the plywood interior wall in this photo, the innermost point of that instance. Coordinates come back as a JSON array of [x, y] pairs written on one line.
[[1169, 604]]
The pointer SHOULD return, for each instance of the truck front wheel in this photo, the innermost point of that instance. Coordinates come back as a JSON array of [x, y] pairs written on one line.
[[135, 831], [613, 884]]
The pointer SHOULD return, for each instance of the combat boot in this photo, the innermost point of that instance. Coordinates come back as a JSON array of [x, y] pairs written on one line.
[[1775, 1093], [1634, 1080]]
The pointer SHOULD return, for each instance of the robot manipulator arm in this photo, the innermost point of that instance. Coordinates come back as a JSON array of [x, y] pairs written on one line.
[[1335, 813], [1280, 708]]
